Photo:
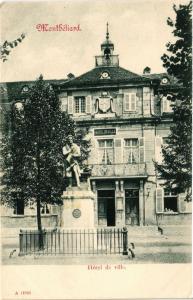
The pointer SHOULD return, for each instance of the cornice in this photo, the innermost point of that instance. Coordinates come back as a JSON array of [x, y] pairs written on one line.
[[129, 121]]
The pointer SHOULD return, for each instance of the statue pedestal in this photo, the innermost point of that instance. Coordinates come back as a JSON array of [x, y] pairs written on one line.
[[78, 208]]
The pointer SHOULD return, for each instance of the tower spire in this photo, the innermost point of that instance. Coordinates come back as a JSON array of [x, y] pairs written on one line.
[[107, 34], [107, 47]]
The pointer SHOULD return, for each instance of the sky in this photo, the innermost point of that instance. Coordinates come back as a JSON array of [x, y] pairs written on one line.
[[138, 29]]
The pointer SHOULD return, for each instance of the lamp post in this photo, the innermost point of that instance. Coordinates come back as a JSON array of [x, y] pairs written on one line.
[[146, 196]]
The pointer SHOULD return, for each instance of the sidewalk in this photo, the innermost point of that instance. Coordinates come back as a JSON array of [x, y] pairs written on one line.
[[174, 246]]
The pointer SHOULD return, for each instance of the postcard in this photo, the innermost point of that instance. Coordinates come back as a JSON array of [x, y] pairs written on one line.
[[96, 149]]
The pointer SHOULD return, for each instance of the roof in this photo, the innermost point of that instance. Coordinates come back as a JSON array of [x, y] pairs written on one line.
[[116, 75], [160, 76], [13, 90], [107, 42]]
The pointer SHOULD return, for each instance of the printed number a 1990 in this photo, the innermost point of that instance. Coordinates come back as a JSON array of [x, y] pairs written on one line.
[[23, 293]]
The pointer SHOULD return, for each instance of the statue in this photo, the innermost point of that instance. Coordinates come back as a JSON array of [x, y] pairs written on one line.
[[71, 151], [78, 201]]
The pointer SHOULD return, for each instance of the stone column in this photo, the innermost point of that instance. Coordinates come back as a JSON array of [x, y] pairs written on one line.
[[94, 190], [116, 185], [121, 186], [119, 204], [141, 204]]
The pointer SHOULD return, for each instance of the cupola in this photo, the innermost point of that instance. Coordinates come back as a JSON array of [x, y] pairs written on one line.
[[107, 58]]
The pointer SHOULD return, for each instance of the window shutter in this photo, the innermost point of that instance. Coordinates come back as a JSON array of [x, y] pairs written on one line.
[[118, 105], [89, 104], [158, 149], [133, 102], [64, 103], [118, 143], [70, 104], [146, 101], [159, 200], [118, 151], [94, 154], [152, 103], [164, 104], [189, 207], [142, 150], [126, 102], [170, 108], [130, 156], [181, 203]]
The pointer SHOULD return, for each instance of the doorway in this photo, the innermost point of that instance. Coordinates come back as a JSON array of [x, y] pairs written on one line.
[[132, 207], [106, 207]]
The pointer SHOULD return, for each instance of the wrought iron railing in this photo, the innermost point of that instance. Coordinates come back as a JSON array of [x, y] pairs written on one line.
[[119, 170], [74, 242]]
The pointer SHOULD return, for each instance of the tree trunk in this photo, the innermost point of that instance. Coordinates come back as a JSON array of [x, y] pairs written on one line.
[[39, 221]]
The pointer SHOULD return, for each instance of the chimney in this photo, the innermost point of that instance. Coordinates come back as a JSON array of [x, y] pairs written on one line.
[[146, 71], [70, 76]]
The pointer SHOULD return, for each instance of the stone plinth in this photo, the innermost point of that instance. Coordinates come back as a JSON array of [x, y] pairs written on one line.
[[78, 208]]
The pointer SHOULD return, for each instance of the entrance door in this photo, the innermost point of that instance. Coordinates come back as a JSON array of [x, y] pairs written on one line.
[[106, 207], [132, 207]]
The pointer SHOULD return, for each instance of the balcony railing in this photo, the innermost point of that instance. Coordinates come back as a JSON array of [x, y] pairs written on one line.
[[102, 61], [118, 170]]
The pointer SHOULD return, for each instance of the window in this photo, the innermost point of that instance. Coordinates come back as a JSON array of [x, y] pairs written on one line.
[[131, 151], [130, 102], [45, 209], [165, 80], [170, 201], [106, 151], [19, 207], [80, 105], [25, 89], [158, 149], [131, 142]]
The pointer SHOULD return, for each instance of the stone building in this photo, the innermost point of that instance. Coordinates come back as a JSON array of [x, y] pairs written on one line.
[[128, 117]]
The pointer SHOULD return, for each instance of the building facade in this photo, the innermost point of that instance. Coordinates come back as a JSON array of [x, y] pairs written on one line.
[[128, 118]]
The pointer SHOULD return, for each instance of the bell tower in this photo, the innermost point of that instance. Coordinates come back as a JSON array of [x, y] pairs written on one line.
[[107, 46], [107, 58]]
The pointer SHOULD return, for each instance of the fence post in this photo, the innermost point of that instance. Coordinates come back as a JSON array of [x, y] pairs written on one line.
[[20, 242], [125, 240]]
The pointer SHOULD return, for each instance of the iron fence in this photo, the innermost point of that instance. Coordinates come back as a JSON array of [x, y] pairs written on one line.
[[74, 242]]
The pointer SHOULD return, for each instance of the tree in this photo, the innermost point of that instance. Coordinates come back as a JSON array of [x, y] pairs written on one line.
[[176, 167], [32, 151], [7, 46]]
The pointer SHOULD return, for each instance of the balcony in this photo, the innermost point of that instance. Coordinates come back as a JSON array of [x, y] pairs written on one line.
[[119, 170], [102, 61]]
